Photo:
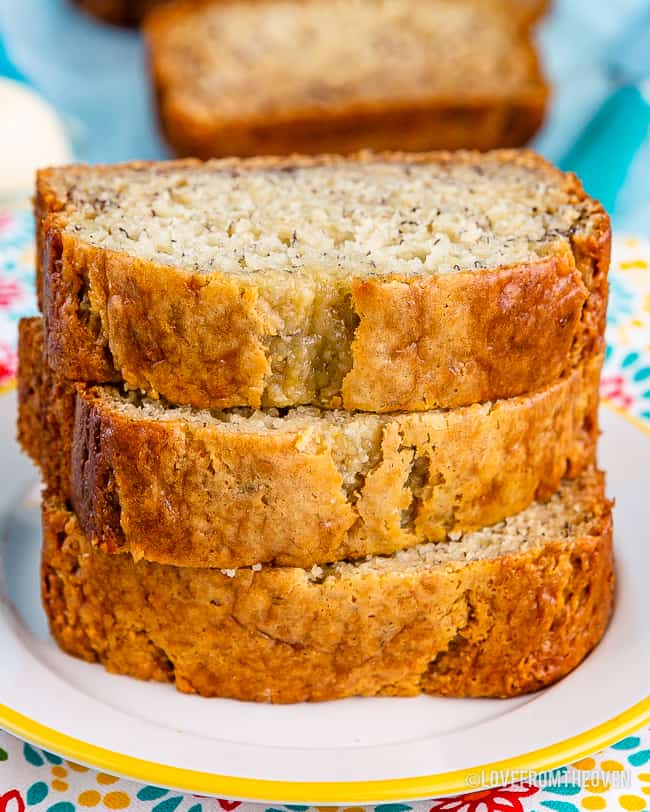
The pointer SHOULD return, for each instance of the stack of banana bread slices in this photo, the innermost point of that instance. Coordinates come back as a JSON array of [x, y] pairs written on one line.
[[321, 427]]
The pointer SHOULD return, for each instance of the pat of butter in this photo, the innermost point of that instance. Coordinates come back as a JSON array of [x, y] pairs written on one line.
[[31, 137]]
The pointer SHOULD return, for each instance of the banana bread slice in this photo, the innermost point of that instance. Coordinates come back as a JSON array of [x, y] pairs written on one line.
[[239, 487], [500, 612], [284, 76], [375, 283]]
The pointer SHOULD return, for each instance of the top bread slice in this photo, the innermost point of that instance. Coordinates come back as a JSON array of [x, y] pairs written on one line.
[[376, 283], [283, 76]]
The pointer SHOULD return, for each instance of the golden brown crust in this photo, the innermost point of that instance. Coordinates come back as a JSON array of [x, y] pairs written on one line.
[[415, 128], [410, 125], [493, 627], [194, 493], [441, 334], [30, 388], [111, 317], [46, 406]]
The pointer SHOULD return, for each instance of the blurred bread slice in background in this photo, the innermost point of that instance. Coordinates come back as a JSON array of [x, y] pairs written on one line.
[[283, 76]]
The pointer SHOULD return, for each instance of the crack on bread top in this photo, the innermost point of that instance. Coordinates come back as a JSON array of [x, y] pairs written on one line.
[[418, 484], [328, 221]]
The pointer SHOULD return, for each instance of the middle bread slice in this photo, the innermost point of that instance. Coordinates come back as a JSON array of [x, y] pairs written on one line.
[[304, 486]]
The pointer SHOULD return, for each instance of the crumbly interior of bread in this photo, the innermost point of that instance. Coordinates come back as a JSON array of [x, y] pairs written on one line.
[[567, 515], [353, 439], [341, 221], [257, 59]]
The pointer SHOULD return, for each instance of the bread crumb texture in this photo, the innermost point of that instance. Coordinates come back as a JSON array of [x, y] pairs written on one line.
[[328, 222]]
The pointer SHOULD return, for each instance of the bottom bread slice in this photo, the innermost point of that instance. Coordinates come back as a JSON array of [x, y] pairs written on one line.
[[499, 612]]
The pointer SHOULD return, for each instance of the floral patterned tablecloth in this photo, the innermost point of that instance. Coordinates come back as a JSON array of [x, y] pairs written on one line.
[[615, 778]]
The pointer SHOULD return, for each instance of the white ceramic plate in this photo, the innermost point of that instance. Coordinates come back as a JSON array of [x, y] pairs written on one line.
[[355, 750]]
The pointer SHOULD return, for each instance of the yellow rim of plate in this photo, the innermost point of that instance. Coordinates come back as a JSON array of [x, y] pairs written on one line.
[[7, 387], [334, 792]]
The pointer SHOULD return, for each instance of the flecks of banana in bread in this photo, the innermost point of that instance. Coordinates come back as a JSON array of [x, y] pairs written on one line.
[[330, 222]]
